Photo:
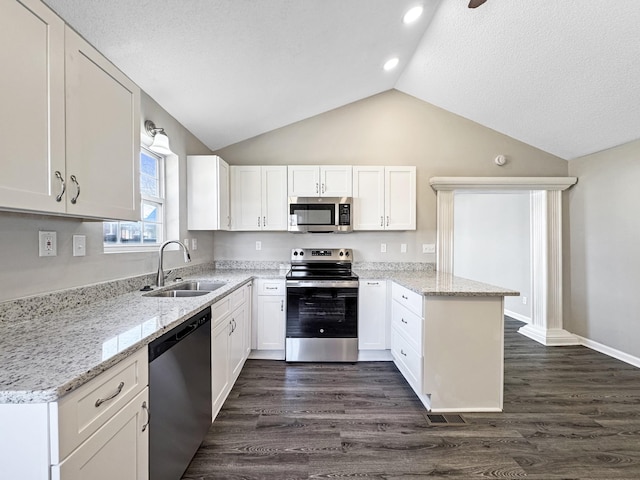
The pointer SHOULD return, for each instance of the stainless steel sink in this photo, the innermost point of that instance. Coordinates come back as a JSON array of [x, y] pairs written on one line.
[[196, 285], [187, 289], [177, 293]]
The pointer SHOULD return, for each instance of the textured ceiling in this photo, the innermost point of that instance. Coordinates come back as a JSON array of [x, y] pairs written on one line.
[[559, 75]]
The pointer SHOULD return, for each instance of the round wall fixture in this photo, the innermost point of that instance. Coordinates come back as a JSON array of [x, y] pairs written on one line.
[[500, 160]]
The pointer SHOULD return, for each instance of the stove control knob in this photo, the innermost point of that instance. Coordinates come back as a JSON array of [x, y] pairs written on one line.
[[341, 254], [346, 253], [301, 254], [322, 330], [295, 253]]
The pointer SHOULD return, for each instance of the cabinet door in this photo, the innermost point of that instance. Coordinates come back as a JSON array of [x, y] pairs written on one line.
[[271, 322], [400, 201], [237, 340], [373, 326], [336, 181], [124, 437], [219, 365], [207, 193], [247, 198], [32, 106], [368, 198], [303, 180], [274, 198], [102, 134]]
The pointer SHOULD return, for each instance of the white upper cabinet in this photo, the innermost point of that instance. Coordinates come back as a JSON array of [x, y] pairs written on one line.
[[102, 134], [69, 122], [207, 193], [259, 198], [320, 181], [384, 198], [32, 112]]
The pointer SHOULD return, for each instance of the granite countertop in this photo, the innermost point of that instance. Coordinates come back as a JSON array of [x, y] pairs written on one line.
[[50, 353], [430, 283]]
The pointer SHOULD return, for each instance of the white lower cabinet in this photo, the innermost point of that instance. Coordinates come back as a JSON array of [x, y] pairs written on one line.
[[270, 321], [229, 339], [119, 449], [98, 431], [373, 321], [406, 334]]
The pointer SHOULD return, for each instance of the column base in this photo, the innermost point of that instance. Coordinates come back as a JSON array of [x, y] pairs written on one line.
[[554, 337]]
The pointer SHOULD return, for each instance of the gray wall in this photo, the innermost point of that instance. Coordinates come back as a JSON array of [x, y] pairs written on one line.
[[23, 273], [390, 128], [492, 243], [602, 260]]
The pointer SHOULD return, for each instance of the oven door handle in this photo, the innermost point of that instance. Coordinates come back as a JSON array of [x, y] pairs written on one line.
[[322, 284]]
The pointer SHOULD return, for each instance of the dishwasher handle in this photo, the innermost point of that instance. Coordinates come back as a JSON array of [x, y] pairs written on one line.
[[179, 333]]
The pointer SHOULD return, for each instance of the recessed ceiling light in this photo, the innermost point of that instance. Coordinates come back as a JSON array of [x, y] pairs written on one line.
[[391, 64], [412, 14]]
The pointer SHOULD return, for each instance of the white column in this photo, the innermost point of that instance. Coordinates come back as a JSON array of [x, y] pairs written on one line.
[[444, 219], [546, 270]]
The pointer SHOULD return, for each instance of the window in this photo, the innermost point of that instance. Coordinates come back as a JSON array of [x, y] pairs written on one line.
[[149, 231]]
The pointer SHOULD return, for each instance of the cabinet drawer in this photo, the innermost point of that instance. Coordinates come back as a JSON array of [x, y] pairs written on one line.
[[410, 362], [271, 287], [406, 297], [85, 410], [220, 310], [238, 297], [408, 323]]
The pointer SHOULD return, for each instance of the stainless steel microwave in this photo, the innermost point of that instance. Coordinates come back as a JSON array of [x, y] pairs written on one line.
[[320, 214]]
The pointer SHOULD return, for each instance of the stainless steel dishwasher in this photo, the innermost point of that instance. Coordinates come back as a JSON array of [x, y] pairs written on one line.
[[179, 396]]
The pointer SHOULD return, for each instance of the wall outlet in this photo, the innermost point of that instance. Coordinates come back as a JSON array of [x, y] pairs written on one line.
[[524, 300], [428, 248], [258, 245], [47, 244], [194, 244], [186, 242], [383, 248], [403, 248], [79, 245]]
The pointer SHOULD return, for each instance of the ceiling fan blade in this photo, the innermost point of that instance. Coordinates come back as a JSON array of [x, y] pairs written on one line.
[[476, 3]]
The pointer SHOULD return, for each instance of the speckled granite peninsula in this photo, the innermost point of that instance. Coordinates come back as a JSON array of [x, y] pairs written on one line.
[[54, 343]]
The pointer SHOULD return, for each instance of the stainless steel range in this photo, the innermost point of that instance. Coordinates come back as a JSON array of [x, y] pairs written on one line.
[[322, 306]]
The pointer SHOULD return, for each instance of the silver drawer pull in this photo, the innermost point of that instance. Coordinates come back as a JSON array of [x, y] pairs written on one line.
[[75, 180], [404, 321], [402, 352], [146, 409], [100, 401], [406, 298], [64, 186]]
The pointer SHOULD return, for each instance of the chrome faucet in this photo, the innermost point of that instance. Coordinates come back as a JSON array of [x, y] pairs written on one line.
[[187, 259]]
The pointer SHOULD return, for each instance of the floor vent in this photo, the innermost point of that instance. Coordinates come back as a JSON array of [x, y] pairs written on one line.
[[438, 420]]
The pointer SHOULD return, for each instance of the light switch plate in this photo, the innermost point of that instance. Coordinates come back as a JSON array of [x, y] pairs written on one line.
[[79, 245], [428, 248], [194, 244]]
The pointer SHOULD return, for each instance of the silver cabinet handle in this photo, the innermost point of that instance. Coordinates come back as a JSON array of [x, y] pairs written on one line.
[[387, 220], [234, 324], [317, 188], [75, 180], [373, 283], [146, 409], [402, 352], [381, 221], [406, 298], [404, 321], [64, 186], [264, 221], [100, 401], [282, 305], [324, 188], [258, 220], [230, 331]]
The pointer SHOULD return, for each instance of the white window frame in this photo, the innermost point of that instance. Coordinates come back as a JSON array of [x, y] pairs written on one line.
[[161, 201]]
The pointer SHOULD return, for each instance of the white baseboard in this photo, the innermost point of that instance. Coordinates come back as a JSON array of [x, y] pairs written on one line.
[[612, 352], [374, 356], [517, 316]]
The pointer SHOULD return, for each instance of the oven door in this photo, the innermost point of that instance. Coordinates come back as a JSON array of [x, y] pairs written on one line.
[[322, 309]]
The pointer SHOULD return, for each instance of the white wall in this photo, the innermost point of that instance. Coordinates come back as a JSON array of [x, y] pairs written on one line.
[[492, 243], [24, 273], [390, 128], [602, 258]]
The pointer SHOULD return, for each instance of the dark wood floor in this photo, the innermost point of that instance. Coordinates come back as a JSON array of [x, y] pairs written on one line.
[[569, 413]]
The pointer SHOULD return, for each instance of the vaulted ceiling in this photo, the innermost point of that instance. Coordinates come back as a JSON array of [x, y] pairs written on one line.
[[559, 75]]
